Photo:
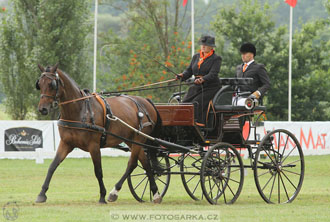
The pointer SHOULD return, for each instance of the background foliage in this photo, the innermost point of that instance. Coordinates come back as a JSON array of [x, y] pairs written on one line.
[[134, 33], [44, 32]]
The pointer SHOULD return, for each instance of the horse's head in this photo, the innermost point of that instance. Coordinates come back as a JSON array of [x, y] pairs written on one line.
[[49, 85]]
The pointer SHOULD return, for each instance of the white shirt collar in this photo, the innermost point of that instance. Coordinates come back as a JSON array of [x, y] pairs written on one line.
[[249, 63]]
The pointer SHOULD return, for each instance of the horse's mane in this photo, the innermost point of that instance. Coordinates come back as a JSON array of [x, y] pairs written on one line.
[[66, 76]]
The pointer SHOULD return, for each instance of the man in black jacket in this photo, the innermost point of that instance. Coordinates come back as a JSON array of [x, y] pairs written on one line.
[[251, 69], [205, 65]]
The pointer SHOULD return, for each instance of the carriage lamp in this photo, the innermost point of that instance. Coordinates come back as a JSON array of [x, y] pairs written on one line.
[[251, 103]]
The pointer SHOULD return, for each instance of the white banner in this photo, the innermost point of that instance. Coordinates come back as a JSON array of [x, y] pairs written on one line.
[[314, 137], [26, 136]]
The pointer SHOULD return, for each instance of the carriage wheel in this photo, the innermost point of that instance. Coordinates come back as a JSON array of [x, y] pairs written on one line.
[[139, 184], [222, 174], [279, 167], [190, 167]]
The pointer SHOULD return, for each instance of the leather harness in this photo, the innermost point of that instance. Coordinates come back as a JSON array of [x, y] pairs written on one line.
[[106, 121]]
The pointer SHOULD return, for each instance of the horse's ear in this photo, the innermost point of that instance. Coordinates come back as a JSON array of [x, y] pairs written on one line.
[[53, 70], [42, 69]]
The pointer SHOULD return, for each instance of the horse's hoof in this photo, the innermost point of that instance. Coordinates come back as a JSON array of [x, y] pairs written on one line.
[[41, 199], [157, 198], [102, 201], [112, 197]]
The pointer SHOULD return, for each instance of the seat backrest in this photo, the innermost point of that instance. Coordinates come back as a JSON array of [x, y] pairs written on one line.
[[223, 96]]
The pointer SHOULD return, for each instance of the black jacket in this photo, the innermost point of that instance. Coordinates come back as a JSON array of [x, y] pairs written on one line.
[[261, 81], [209, 69]]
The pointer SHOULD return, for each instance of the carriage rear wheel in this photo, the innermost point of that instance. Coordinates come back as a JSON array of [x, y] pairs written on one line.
[[222, 174], [279, 167], [139, 184], [190, 168]]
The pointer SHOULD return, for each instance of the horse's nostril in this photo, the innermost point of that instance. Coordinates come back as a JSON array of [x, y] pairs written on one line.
[[43, 111]]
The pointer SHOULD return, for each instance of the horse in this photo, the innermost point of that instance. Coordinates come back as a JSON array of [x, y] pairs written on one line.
[[78, 106]]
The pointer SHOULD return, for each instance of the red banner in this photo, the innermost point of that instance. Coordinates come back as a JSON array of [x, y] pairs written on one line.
[[184, 3], [292, 3]]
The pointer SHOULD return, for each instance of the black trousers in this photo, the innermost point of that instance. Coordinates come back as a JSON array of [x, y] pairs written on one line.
[[201, 95]]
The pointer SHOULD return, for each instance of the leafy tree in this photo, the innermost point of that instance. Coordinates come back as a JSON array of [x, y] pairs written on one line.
[[250, 21], [154, 32], [42, 32]]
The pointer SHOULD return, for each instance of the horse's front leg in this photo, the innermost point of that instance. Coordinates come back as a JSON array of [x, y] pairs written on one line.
[[62, 151], [96, 157]]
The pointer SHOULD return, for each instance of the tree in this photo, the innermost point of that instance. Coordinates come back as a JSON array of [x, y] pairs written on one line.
[[155, 30], [42, 32], [252, 22]]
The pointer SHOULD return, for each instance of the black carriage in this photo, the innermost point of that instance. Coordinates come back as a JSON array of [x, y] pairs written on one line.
[[211, 165]]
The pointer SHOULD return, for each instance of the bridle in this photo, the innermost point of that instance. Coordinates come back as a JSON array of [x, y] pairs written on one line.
[[54, 85]]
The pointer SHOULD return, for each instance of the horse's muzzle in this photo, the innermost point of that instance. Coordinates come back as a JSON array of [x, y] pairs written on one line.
[[43, 111]]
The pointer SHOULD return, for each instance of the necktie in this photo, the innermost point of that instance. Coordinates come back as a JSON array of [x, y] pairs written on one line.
[[244, 67]]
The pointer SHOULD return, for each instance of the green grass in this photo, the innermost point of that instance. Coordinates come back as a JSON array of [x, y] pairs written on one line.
[[74, 193]]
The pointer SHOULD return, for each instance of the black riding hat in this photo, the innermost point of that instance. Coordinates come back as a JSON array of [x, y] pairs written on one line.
[[248, 47], [207, 40]]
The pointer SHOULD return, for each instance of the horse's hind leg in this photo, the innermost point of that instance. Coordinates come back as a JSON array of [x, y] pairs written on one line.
[[131, 165], [62, 151], [96, 157], [157, 198]]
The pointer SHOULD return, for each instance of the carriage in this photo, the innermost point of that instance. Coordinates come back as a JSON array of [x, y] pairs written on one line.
[[209, 159], [210, 165]]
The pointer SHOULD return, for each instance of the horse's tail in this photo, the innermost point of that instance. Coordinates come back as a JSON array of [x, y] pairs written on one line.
[[155, 164]]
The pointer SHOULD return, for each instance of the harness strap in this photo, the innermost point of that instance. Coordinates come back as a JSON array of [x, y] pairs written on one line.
[[99, 129], [141, 109], [107, 122]]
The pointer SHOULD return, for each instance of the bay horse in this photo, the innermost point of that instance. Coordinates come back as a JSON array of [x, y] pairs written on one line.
[[76, 106]]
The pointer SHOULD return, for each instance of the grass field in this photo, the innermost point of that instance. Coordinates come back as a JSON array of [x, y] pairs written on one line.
[[74, 193]]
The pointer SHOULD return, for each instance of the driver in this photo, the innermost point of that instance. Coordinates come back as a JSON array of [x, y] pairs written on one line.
[[205, 65]]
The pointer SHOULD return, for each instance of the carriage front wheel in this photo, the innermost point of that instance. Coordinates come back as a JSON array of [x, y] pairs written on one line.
[[279, 167], [222, 174], [139, 184]]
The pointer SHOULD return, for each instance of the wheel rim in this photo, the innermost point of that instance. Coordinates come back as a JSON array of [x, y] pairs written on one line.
[[139, 184], [192, 163], [279, 167], [222, 174]]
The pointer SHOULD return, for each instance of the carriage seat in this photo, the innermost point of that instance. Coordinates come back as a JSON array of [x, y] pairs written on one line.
[[222, 100]]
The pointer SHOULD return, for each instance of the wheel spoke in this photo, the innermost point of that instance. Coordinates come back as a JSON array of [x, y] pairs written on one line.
[[289, 180], [144, 190], [161, 181], [291, 172], [271, 191], [284, 186], [287, 165], [191, 178], [227, 184], [223, 191], [140, 182], [139, 174], [279, 189], [196, 187], [263, 173], [286, 142], [232, 180], [268, 182], [289, 153]]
